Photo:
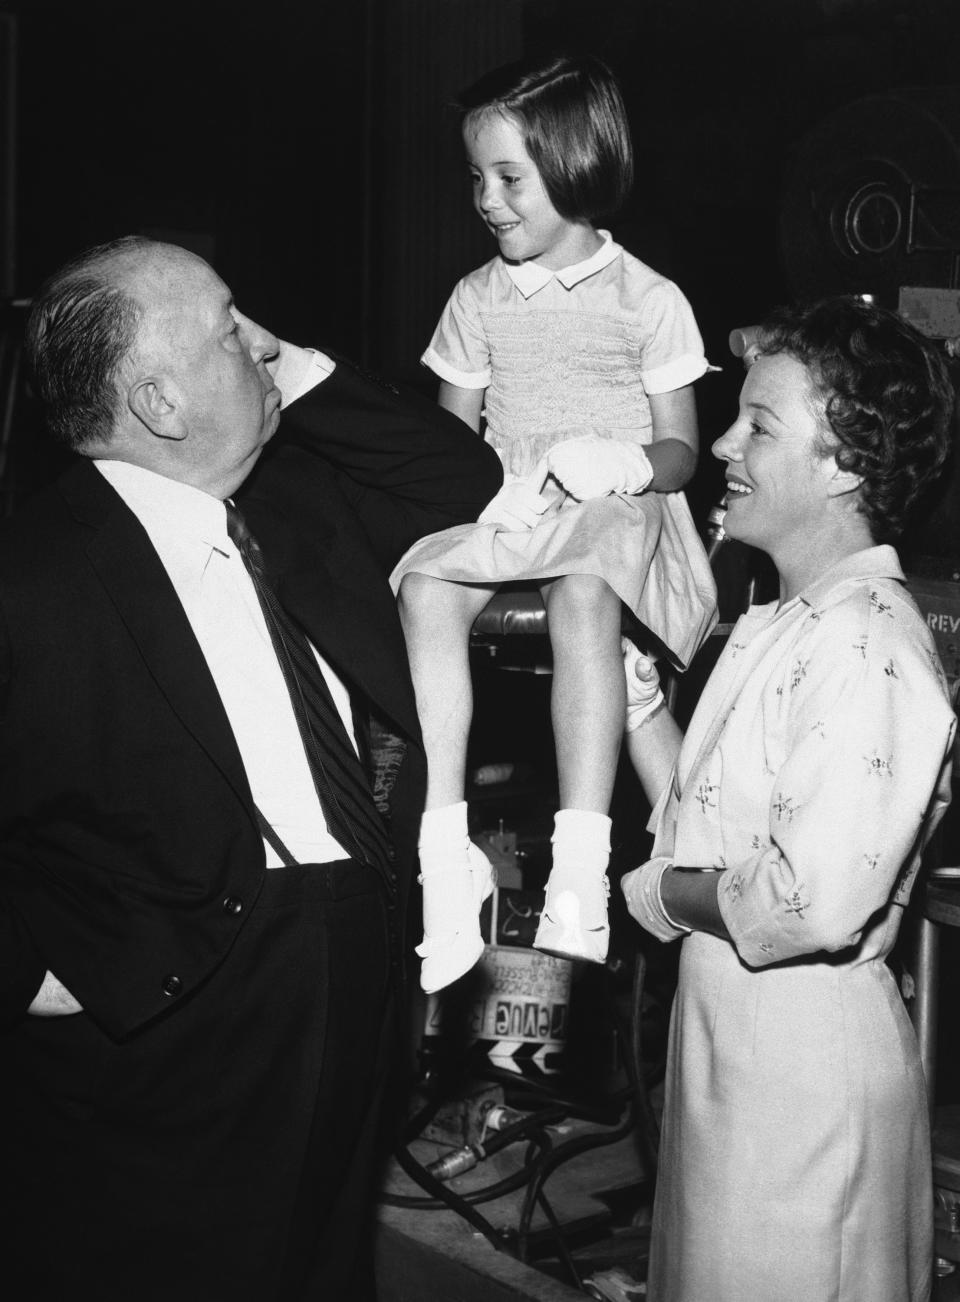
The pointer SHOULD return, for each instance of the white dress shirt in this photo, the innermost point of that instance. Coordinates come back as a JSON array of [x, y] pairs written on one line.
[[187, 527]]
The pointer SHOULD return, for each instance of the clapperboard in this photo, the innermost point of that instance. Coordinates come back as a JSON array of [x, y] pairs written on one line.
[[519, 999]]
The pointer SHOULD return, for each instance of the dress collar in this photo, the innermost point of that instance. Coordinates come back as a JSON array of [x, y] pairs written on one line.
[[873, 563], [529, 277], [881, 562]]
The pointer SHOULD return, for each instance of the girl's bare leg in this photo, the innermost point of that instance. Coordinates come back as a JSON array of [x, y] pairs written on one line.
[[437, 617], [588, 708]]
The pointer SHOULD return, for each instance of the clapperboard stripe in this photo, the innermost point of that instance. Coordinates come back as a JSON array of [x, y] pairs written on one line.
[[524, 1058]]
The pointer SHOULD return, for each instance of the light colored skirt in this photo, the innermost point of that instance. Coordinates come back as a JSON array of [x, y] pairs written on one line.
[[795, 1153], [646, 548]]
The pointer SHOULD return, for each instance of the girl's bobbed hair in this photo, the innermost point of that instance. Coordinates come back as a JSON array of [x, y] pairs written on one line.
[[574, 125]]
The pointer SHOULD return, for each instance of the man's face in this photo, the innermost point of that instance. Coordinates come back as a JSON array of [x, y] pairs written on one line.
[[214, 361]]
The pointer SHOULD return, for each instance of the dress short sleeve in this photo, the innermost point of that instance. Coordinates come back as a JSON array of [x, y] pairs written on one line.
[[458, 351], [672, 353], [861, 728]]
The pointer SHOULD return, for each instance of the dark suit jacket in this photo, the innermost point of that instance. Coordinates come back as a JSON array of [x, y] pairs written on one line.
[[127, 833]]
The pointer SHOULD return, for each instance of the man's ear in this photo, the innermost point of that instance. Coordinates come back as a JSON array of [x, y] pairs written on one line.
[[147, 398]]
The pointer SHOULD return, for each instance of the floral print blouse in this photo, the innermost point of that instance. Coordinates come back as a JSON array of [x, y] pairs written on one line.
[[815, 767]]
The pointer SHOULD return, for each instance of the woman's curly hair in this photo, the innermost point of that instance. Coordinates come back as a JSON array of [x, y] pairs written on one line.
[[887, 396]]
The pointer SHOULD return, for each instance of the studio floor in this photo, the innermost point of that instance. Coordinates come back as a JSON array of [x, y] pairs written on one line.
[[597, 1197], [601, 1199]]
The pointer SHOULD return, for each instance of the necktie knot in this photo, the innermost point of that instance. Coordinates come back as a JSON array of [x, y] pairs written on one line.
[[237, 528], [238, 531]]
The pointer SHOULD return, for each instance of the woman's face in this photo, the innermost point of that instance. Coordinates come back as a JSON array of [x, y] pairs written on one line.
[[780, 486]]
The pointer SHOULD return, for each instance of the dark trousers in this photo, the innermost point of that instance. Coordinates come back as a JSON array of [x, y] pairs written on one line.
[[226, 1151]]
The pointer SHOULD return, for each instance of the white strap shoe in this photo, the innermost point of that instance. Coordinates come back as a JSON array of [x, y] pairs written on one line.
[[574, 921], [452, 897]]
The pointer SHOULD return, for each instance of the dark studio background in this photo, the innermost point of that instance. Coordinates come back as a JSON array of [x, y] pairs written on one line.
[[304, 148]]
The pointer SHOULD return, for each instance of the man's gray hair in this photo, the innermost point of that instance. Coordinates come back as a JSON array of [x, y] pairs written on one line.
[[82, 326]]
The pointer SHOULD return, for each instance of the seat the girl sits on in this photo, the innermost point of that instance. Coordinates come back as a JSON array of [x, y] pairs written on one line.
[[577, 361]]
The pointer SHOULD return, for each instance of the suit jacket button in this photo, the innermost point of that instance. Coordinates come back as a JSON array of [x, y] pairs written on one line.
[[171, 985], [232, 904]]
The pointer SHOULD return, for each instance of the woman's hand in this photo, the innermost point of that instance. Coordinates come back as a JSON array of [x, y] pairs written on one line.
[[644, 695], [670, 902], [641, 890]]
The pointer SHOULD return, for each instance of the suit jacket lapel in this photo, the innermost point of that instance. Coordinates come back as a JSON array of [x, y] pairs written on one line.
[[358, 631], [137, 584], [359, 636], [351, 618]]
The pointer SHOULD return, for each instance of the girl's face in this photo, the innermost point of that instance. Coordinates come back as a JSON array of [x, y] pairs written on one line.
[[509, 196]]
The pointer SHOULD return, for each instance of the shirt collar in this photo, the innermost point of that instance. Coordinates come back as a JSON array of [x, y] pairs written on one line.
[[873, 563], [880, 562], [529, 277], [167, 509]]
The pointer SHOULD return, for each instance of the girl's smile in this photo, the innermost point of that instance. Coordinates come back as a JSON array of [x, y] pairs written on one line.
[[510, 198]]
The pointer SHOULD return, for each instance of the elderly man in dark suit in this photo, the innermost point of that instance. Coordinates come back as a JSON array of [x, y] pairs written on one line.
[[211, 783]]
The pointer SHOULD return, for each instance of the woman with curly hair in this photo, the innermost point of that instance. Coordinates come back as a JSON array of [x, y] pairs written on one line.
[[789, 823]]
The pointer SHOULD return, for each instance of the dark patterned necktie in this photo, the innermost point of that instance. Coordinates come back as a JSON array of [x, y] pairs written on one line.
[[341, 784]]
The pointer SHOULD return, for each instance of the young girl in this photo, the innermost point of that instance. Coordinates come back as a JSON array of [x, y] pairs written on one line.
[[580, 361]]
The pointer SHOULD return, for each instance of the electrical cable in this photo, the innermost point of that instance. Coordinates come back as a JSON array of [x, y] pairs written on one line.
[[564, 1251], [574, 1147], [601, 1116], [543, 1156], [489, 1193], [632, 1041], [531, 1125], [564, 1152], [534, 1122], [421, 1176], [415, 1124]]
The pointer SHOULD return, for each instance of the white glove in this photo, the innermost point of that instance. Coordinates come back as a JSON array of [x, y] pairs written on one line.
[[643, 685], [594, 467], [641, 889], [517, 506]]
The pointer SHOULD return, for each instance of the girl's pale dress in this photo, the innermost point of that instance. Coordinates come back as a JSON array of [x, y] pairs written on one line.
[[795, 1160], [562, 355]]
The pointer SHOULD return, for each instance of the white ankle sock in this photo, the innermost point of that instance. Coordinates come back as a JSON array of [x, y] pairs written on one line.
[[443, 838], [452, 893], [581, 842]]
